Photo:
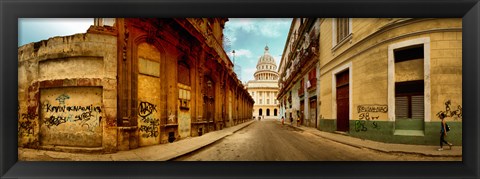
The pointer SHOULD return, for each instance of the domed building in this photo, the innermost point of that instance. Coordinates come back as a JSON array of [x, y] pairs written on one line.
[[264, 88]]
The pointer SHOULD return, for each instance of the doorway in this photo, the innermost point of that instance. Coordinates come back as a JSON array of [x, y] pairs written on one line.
[[342, 88]]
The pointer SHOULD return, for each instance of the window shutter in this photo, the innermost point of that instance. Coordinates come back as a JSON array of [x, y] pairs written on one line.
[[417, 107], [401, 107]]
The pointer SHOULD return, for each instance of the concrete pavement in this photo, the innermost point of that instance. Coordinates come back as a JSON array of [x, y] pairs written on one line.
[[162, 152], [425, 150], [169, 151]]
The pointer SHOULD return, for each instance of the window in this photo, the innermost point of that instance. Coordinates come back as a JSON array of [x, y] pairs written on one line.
[[409, 99], [312, 79], [184, 70], [301, 91], [260, 101], [409, 93], [410, 53], [342, 28], [268, 101]]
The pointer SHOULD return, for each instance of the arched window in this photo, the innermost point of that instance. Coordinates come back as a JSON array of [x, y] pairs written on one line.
[[268, 112], [260, 112], [184, 73], [275, 112]]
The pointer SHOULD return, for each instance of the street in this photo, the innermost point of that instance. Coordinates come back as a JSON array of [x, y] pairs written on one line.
[[270, 141]]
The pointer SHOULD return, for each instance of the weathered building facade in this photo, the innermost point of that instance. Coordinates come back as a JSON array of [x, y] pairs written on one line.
[[128, 83], [388, 79], [264, 88], [299, 73]]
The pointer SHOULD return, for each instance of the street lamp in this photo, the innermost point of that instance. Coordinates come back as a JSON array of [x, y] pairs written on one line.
[[233, 52]]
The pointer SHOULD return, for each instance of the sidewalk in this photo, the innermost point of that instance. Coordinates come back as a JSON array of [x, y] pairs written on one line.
[[161, 152], [425, 150]]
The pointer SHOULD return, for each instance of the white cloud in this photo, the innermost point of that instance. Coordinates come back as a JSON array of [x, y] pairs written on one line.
[[240, 53], [247, 74], [269, 28]]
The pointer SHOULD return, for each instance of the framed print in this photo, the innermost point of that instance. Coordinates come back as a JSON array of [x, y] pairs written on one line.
[[239, 89]]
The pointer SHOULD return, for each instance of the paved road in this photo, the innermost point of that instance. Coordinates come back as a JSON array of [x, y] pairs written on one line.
[[270, 141]]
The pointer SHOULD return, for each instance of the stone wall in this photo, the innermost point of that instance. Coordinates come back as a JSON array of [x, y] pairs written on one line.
[[67, 92]]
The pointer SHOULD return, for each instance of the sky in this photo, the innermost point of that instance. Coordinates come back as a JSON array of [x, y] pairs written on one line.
[[37, 29], [248, 37]]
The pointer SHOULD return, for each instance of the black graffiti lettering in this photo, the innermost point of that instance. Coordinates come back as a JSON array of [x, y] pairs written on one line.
[[54, 121], [372, 108], [366, 116], [84, 116], [150, 129], [456, 114], [146, 108], [50, 108], [26, 128], [29, 116]]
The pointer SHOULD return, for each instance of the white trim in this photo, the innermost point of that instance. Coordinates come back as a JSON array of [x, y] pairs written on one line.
[[334, 89], [335, 45], [334, 32], [426, 70], [349, 26]]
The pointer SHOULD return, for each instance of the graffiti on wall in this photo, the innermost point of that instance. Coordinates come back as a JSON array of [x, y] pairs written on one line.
[[87, 116], [456, 114], [366, 113], [26, 126], [149, 124]]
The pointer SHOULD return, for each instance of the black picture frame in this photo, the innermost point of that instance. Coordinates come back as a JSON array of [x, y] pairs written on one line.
[[11, 10]]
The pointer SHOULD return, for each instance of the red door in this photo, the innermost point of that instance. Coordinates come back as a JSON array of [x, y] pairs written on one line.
[[342, 101]]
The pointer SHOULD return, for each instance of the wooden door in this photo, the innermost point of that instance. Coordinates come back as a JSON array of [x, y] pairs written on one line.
[[343, 101]]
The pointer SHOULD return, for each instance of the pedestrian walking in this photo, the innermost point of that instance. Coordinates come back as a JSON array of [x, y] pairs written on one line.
[[299, 119], [443, 133], [283, 121]]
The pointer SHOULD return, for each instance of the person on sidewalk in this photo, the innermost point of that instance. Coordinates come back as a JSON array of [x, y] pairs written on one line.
[[443, 133], [283, 121]]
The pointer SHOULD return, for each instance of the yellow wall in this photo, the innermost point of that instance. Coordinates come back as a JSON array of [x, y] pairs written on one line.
[[369, 57]]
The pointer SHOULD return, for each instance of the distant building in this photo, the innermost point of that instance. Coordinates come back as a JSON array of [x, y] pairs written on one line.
[[264, 88], [299, 71]]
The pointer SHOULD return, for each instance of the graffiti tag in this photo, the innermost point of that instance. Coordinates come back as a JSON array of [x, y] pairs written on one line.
[[149, 125], [146, 108], [456, 114]]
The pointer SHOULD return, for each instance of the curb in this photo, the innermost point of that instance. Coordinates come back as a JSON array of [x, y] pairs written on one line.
[[209, 143], [381, 150]]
